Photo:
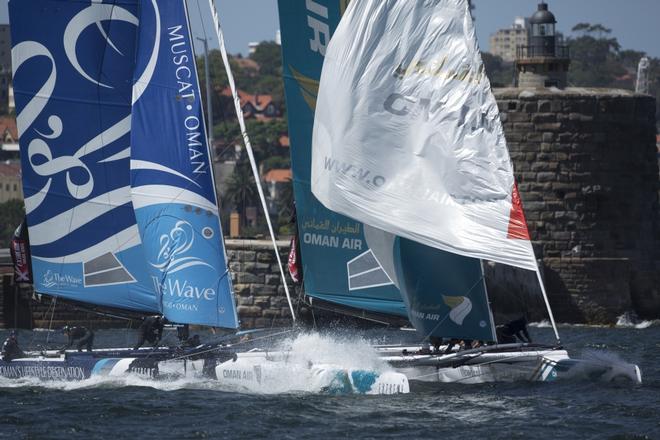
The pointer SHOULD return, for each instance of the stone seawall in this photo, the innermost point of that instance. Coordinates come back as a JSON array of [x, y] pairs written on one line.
[[260, 296], [586, 166]]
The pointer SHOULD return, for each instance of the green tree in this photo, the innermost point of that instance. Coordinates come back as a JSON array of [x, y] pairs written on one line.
[[500, 72], [268, 55], [594, 60], [241, 189]]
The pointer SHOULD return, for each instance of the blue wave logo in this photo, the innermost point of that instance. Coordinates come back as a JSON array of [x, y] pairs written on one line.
[[173, 248]]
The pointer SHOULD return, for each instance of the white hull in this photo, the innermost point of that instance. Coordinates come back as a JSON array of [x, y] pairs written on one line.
[[503, 364]]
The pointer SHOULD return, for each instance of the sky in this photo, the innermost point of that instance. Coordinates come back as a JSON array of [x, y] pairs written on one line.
[[635, 23]]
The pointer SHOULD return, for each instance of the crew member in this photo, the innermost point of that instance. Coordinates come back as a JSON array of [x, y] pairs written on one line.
[[10, 349], [151, 330], [82, 335], [507, 333], [195, 341]]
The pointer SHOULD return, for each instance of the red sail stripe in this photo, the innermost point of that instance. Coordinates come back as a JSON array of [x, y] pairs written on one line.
[[517, 223]]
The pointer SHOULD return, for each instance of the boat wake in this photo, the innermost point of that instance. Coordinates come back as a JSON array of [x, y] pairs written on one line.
[[345, 351], [603, 366]]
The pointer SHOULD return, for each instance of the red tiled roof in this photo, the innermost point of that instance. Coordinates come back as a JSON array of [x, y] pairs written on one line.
[[8, 123], [278, 175], [259, 102]]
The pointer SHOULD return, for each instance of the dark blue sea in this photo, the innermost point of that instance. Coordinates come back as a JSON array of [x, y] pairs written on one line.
[[579, 409]]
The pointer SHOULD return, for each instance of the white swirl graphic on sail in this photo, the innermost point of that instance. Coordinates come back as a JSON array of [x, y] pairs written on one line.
[[146, 165], [173, 246], [93, 15], [141, 84], [461, 306]]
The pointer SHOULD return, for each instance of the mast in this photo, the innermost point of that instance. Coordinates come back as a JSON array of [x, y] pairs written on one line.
[[248, 147]]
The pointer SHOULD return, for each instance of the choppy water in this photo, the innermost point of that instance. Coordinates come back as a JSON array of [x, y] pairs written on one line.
[[199, 409]]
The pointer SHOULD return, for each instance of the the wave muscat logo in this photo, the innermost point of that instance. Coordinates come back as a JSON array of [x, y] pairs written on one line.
[[173, 247], [173, 258], [54, 279]]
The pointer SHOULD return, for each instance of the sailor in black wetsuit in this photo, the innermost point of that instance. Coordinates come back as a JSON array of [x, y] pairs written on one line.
[[151, 331], [507, 333], [82, 335], [10, 349]]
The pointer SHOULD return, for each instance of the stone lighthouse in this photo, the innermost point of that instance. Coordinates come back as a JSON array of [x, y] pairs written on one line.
[[542, 63]]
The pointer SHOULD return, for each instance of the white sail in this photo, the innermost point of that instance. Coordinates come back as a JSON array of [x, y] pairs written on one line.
[[407, 134]]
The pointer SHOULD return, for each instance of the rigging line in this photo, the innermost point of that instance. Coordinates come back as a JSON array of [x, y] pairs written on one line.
[[50, 325], [197, 353], [547, 303], [201, 20], [248, 146]]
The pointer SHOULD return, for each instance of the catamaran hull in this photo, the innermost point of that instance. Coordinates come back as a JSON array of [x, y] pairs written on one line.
[[78, 368], [146, 363], [511, 366]]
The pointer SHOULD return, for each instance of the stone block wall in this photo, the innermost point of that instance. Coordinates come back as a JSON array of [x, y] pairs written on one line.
[[585, 162], [260, 296]]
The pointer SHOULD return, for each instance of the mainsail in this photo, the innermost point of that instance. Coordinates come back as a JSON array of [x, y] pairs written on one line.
[[338, 264], [73, 66], [367, 278], [171, 174], [407, 133]]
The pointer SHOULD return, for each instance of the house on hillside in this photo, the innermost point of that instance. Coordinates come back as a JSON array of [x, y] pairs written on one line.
[[8, 138], [256, 106], [10, 181], [276, 181]]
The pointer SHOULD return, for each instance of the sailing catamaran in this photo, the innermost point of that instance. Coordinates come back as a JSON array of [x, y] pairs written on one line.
[[403, 182], [119, 193], [122, 211]]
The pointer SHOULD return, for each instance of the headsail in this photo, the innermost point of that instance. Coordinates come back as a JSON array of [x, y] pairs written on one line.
[[171, 174], [73, 64], [407, 134], [338, 264]]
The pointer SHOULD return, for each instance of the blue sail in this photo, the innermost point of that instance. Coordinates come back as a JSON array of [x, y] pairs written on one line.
[[338, 264], [171, 174], [73, 65]]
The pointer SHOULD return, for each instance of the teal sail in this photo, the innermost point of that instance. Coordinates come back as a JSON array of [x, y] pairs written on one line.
[[73, 65], [171, 174], [441, 293], [338, 264]]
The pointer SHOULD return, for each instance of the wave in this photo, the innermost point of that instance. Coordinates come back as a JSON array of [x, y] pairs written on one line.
[[630, 320], [626, 320]]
